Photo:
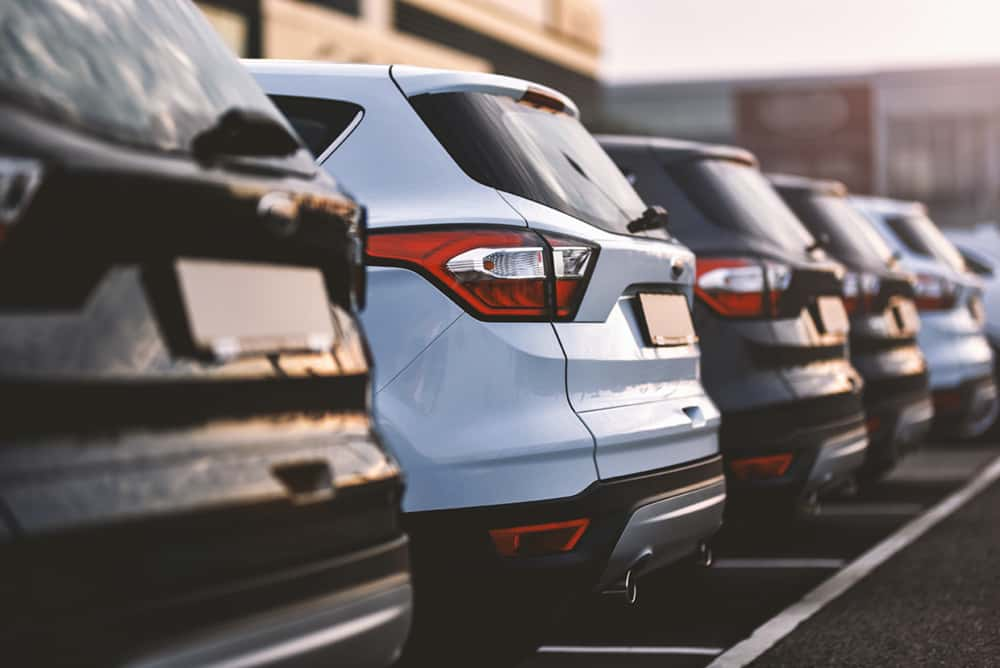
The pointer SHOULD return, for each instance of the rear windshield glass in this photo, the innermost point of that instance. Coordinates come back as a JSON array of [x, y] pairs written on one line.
[[737, 196], [850, 236], [538, 154], [919, 234], [151, 73]]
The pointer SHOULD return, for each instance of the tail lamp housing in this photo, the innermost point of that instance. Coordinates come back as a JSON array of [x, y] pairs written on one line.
[[934, 293], [740, 287], [495, 273], [860, 291]]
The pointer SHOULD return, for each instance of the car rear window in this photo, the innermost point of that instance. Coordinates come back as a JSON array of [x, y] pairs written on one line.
[[735, 195], [320, 123], [921, 236], [142, 72], [543, 155], [851, 237]]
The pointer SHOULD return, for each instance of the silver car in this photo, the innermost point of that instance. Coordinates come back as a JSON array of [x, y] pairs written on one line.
[[537, 371], [952, 317]]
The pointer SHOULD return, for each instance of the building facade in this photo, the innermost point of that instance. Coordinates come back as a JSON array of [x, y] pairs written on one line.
[[931, 135], [555, 42]]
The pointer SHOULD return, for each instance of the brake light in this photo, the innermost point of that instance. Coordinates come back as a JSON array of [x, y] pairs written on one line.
[[539, 539], [860, 291], [761, 468], [497, 273], [934, 293], [741, 288]]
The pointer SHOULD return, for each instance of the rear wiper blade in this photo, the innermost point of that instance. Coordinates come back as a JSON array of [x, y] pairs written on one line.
[[653, 218], [244, 132]]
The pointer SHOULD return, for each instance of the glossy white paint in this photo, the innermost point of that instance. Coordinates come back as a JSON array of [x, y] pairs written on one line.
[[406, 314], [481, 418], [419, 80], [484, 413]]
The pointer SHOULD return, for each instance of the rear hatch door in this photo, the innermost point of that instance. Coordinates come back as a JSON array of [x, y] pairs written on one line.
[[632, 370]]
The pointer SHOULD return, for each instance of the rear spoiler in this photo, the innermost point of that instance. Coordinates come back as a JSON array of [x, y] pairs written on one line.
[[415, 81]]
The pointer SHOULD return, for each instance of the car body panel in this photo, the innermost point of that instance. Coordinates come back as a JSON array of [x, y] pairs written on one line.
[[525, 444]]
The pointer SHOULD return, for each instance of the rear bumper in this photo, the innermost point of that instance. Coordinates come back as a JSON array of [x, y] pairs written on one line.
[[825, 436], [899, 414], [656, 518], [354, 609], [365, 626], [966, 410]]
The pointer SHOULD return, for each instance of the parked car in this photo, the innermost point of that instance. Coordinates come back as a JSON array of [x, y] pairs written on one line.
[[952, 317], [536, 367], [187, 471], [980, 249], [770, 317], [884, 319]]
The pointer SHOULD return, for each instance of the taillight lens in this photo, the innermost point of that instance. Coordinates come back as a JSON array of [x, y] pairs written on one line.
[[741, 288], [860, 291], [497, 273], [934, 293]]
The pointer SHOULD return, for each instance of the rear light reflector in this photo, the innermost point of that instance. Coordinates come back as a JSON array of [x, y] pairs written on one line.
[[934, 293], [760, 468], [539, 539], [947, 401], [496, 273], [741, 288], [872, 424]]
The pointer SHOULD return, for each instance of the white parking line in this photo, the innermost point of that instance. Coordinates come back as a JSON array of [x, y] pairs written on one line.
[[779, 626], [779, 563], [587, 649], [869, 509]]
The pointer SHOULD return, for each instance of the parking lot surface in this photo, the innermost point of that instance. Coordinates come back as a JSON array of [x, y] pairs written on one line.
[[935, 601]]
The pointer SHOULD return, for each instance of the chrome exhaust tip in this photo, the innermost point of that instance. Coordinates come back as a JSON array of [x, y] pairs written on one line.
[[704, 556], [625, 591]]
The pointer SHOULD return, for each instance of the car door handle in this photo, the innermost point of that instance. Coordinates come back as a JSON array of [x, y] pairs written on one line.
[[306, 481], [695, 415]]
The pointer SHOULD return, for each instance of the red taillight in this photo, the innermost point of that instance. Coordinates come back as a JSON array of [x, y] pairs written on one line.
[[934, 293], [741, 288], [495, 272], [860, 291], [761, 468], [539, 539]]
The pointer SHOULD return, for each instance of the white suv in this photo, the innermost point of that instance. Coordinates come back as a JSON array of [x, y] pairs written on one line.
[[537, 371]]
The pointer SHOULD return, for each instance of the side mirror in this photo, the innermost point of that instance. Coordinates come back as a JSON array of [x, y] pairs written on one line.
[[653, 218]]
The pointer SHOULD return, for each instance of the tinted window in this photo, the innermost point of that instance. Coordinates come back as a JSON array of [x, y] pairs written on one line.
[[318, 122], [850, 236], [539, 154], [737, 196], [921, 236], [143, 72]]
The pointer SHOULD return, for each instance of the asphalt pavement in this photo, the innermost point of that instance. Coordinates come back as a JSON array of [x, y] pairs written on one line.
[[937, 602]]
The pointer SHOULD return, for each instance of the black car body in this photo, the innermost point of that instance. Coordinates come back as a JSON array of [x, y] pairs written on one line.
[[884, 318], [187, 471], [769, 316]]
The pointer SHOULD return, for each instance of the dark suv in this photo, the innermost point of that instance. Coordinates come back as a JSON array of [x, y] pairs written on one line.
[[884, 318], [187, 471], [770, 318]]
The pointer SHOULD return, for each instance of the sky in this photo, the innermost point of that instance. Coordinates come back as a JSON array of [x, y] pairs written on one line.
[[686, 39]]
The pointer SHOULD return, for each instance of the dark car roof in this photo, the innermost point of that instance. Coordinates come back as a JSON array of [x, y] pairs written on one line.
[[679, 149], [804, 184]]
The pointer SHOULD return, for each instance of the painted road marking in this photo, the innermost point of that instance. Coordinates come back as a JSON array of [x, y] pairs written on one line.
[[587, 649], [779, 626], [779, 563], [868, 509]]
